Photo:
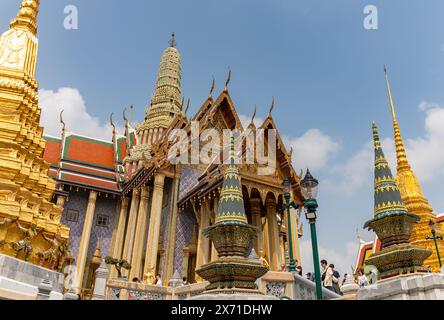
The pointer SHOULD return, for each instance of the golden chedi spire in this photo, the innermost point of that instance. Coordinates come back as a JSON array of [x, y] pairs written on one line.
[[27, 17], [26, 191], [166, 103], [411, 192]]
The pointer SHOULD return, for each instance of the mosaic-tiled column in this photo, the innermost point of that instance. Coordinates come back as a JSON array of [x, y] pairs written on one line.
[[202, 241], [154, 226], [256, 208], [131, 227], [294, 233], [172, 226], [273, 235], [139, 240], [84, 242], [117, 247]]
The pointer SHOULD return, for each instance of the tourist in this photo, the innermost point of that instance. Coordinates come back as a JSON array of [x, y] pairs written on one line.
[[185, 281], [345, 279], [327, 275], [309, 276], [299, 270], [283, 268], [429, 269], [136, 280], [362, 279], [159, 281], [335, 280]]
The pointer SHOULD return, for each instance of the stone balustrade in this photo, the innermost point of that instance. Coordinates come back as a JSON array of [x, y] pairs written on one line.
[[277, 284]]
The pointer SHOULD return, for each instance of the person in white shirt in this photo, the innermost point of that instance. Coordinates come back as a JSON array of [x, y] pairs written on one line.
[[327, 275]]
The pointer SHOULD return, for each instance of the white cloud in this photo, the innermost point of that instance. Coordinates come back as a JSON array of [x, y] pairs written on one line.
[[349, 177], [342, 262], [426, 154], [246, 120], [76, 116], [312, 150]]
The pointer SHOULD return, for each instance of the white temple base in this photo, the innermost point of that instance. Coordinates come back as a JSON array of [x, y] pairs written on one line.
[[429, 286], [233, 296], [20, 280]]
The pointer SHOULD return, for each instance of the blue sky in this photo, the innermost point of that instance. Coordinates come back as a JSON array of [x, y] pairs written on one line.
[[315, 57]]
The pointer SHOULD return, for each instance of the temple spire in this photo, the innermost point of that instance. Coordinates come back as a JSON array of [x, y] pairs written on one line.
[[387, 196], [401, 155], [27, 16], [173, 41]]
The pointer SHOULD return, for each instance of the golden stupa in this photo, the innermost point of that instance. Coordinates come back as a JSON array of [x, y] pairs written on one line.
[[411, 193], [30, 225]]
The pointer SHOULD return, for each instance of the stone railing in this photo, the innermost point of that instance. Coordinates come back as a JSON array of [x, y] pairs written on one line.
[[305, 289], [121, 290], [185, 292], [278, 284]]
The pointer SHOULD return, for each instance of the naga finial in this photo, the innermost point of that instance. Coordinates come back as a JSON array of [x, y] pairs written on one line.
[[290, 154], [188, 106], [124, 115], [213, 85], [228, 80], [254, 115], [62, 122], [272, 107]]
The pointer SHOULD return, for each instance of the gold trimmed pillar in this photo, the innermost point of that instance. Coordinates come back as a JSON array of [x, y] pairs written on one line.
[[273, 235], [294, 234], [152, 246], [172, 229], [202, 241], [84, 242], [116, 251], [139, 240], [130, 229], [256, 209]]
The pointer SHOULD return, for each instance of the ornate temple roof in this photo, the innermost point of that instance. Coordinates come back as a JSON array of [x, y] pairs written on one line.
[[387, 196], [84, 161]]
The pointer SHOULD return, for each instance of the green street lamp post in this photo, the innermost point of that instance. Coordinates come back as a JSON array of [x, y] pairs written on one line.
[[434, 237], [288, 205], [309, 188]]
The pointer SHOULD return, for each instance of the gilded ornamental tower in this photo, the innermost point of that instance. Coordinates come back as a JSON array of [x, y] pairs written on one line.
[[166, 103], [30, 225], [411, 193]]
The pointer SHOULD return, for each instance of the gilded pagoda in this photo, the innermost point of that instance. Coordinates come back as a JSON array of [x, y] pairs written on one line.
[[30, 212]]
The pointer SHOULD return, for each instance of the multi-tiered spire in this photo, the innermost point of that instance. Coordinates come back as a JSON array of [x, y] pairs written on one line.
[[411, 192], [167, 98], [392, 223], [231, 205], [26, 191], [166, 103], [27, 16], [387, 197], [234, 270]]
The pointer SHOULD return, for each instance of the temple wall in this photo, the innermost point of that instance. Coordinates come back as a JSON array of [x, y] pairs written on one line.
[[188, 180], [104, 207], [77, 202], [185, 228]]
